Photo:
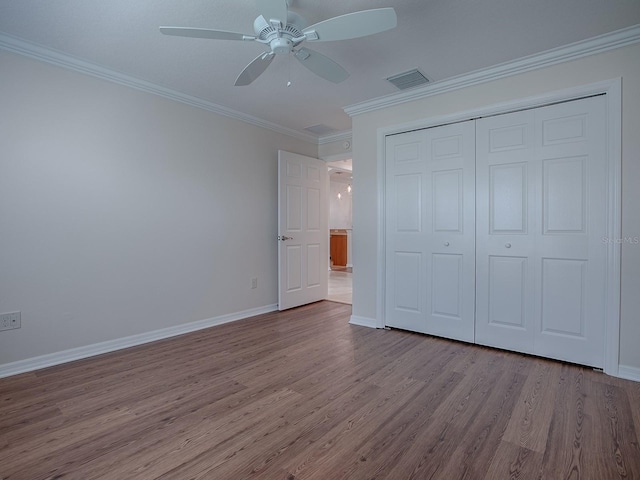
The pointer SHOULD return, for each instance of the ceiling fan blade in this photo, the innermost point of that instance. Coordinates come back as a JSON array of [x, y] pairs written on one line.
[[252, 71], [353, 25], [273, 10], [205, 33], [321, 65]]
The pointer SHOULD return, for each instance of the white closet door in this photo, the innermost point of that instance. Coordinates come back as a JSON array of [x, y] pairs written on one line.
[[541, 212], [430, 231]]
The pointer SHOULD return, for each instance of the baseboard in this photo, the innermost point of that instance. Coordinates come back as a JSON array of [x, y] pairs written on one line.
[[629, 373], [363, 321], [49, 360]]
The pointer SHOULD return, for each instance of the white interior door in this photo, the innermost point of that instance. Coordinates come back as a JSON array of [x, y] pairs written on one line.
[[303, 230], [430, 231], [541, 211]]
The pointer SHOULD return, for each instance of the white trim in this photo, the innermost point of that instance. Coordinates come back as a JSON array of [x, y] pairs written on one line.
[[614, 228], [60, 59], [65, 356], [336, 137], [613, 90], [338, 156], [382, 257], [363, 321], [573, 51], [629, 373]]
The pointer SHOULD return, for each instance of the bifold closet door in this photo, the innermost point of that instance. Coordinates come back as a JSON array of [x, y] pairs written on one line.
[[430, 231], [541, 219]]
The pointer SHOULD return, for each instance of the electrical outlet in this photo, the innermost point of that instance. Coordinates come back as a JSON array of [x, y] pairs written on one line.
[[254, 282], [9, 321]]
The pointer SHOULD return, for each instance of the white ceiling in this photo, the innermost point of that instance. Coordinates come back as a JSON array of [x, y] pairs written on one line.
[[443, 38]]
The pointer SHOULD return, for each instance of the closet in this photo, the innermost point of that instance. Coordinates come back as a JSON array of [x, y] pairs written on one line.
[[495, 228]]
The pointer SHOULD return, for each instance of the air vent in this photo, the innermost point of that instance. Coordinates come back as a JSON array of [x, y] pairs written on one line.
[[320, 129], [411, 79]]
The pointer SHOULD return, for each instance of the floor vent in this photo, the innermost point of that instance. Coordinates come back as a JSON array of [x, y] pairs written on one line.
[[411, 79]]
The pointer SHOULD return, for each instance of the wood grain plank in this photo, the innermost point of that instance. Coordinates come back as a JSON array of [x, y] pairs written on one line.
[[529, 424], [511, 462], [302, 395], [617, 441]]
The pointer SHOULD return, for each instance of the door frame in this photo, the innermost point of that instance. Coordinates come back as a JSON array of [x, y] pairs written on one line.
[[612, 89]]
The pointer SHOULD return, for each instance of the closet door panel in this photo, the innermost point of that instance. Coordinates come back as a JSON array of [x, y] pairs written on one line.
[[430, 231], [541, 261], [405, 235], [506, 178], [573, 219], [450, 217]]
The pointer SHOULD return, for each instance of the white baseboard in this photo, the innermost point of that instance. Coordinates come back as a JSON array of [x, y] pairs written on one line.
[[57, 358], [363, 321], [629, 373]]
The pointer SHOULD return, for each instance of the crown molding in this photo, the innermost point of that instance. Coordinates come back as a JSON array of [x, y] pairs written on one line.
[[335, 137], [18, 46], [573, 51]]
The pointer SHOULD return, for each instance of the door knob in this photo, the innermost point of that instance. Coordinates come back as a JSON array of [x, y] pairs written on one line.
[[507, 245], [284, 237], [446, 244]]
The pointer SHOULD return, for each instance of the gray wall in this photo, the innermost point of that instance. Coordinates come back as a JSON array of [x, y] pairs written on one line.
[[122, 212]]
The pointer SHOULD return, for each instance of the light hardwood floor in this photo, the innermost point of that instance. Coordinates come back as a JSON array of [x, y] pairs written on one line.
[[304, 395], [340, 286]]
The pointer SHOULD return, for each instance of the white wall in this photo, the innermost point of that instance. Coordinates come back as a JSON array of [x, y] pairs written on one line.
[[122, 212], [624, 62], [339, 209], [334, 149]]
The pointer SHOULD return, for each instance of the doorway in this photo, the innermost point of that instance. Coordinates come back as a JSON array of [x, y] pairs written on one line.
[[340, 228]]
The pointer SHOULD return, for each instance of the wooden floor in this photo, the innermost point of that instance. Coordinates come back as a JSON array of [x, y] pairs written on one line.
[[304, 395]]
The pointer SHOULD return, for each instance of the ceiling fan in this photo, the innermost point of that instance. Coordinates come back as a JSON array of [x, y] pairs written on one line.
[[284, 32]]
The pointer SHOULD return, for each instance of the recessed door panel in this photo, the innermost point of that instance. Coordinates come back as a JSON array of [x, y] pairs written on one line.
[[294, 267], [446, 285], [508, 198], [565, 195], [447, 201], [313, 265], [564, 129], [294, 208], [507, 292], [407, 152], [444, 148], [563, 297], [313, 210], [508, 137], [313, 173], [408, 211], [407, 284]]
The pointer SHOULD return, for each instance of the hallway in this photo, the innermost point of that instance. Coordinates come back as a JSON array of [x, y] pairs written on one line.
[[340, 286]]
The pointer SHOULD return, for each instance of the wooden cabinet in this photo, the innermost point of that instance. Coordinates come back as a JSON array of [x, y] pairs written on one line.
[[338, 248]]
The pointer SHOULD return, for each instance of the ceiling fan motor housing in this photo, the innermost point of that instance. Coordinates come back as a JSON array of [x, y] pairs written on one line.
[[280, 37], [281, 45]]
